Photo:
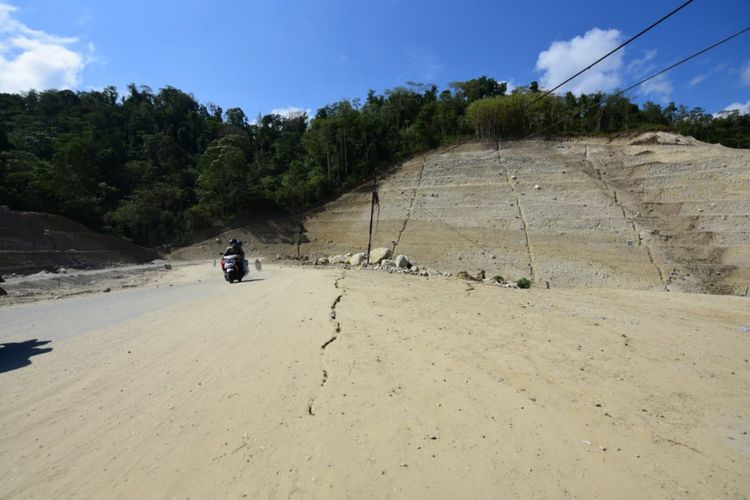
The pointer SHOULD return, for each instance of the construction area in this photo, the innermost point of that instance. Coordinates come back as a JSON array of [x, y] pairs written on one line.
[[651, 212]]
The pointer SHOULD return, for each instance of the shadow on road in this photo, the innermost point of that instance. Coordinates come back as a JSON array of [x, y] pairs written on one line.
[[250, 280], [14, 355]]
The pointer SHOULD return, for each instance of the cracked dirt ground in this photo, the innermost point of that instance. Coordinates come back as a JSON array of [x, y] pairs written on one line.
[[427, 392]]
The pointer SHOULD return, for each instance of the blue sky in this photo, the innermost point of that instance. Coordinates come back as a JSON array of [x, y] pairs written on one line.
[[274, 55]]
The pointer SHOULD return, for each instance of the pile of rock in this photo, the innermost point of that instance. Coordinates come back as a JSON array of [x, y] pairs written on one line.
[[481, 277], [402, 264], [380, 260]]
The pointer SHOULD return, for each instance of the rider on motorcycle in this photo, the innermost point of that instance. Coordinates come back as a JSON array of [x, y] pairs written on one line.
[[235, 248]]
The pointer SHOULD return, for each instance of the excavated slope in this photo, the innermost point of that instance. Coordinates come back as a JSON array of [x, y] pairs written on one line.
[[656, 212], [31, 241]]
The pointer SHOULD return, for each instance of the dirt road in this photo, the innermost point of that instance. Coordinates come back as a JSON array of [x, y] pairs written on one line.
[[332, 383]]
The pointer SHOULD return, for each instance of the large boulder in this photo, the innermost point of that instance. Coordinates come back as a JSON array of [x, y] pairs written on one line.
[[378, 254], [357, 259], [402, 262]]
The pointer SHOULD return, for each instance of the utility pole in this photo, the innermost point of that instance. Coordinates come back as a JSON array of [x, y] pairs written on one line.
[[375, 200]]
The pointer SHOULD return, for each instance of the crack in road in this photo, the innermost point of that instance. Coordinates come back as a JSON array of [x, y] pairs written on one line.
[[329, 341], [337, 331]]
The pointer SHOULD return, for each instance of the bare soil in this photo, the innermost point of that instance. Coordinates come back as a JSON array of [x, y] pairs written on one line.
[[333, 383], [653, 212]]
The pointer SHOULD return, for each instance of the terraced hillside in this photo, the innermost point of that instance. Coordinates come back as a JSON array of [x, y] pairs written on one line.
[[31, 241], [654, 212]]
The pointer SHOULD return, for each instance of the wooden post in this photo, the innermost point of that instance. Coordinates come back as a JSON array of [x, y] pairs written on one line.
[[372, 212]]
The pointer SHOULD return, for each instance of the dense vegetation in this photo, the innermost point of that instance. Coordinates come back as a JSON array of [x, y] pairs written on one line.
[[157, 167]]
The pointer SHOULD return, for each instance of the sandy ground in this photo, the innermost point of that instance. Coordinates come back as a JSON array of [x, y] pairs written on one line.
[[331, 383], [69, 282]]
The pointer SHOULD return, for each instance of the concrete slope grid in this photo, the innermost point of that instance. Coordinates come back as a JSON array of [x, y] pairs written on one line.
[[658, 211]]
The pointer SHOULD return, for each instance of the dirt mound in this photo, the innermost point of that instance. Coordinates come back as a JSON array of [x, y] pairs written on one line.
[[663, 138], [671, 215], [32, 242]]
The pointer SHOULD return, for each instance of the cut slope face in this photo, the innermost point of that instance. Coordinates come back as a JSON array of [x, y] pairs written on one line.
[[31, 241], [655, 212]]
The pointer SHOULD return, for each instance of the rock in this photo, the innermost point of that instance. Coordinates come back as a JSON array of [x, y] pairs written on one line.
[[537, 186], [424, 272], [1, 279], [357, 259], [62, 270], [338, 259], [3, 292], [414, 269], [107, 290], [480, 275], [463, 275], [402, 262], [322, 261], [378, 254], [386, 263], [167, 266]]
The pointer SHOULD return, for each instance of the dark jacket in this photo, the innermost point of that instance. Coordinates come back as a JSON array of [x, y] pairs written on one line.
[[235, 250]]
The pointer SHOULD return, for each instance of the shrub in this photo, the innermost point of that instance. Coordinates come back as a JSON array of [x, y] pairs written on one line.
[[498, 278], [524, 283]]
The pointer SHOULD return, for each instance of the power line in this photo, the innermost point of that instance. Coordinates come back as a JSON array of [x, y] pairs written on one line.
[[661, 72], [548, 92]]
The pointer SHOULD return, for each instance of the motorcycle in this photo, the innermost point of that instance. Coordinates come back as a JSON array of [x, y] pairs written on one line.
[[234, 267]]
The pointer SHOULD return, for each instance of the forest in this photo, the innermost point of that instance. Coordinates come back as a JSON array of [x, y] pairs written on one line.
[[159, 167]]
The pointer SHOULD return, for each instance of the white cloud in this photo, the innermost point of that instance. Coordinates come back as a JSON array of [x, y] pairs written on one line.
[[659, 87], [33, 59], [291, 112], [743, 109], [746, 75], [510, 86], [640, 66], [565, 58], [698, 80]]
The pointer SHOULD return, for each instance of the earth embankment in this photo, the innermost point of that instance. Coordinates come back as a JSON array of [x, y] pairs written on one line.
[[654, 212], [32, 241]]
